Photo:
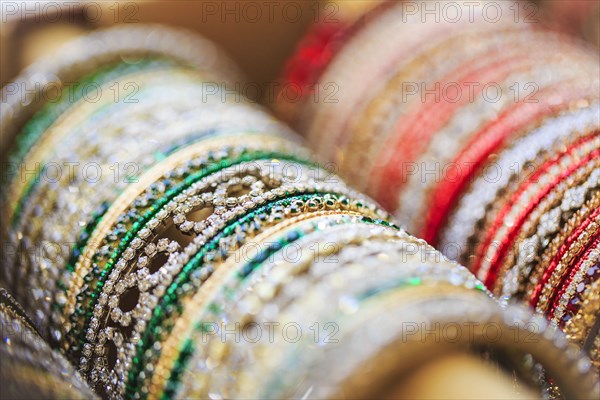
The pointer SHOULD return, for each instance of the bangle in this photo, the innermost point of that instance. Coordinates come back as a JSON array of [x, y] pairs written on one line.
[[317, 48], [508, 231], [449, 140], [206, 239], [484, 263], [191, 267], [264, 368], [364, 53], [540, 228], [478, 150], [456, 52], [394, 354], [73, 128], [567, 301]]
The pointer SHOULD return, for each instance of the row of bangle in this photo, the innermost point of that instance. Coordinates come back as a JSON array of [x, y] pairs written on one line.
[[85, 152], [506, 186]]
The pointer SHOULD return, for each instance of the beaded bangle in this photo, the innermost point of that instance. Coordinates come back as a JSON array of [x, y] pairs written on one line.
[[157, 258], [192, 163], [476, 206], [365, 52], [178, 266], [319, 116], [530, 196], [478, 151], [443, 158], [511, 331], [542, 226], [290, 229], [582, 328]]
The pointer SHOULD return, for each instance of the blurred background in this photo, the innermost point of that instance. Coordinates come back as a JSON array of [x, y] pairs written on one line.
[[259, 35]]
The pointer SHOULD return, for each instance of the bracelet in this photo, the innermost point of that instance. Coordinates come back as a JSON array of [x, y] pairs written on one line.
[[448, 143], [173, 266], [542, 227], [529, 235], [365, 52], [195, 264], [388, 104], [511, 330], [268, 377], [529, 197], [70, 128], [323, 40], [249, 310]]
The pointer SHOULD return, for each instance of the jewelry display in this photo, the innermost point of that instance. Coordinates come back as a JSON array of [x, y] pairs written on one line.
[[166, 237]]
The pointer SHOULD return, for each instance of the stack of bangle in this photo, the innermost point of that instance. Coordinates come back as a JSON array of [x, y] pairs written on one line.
[[341, 320], [228, 221], [29, 369], [78, 151], [481, 135]]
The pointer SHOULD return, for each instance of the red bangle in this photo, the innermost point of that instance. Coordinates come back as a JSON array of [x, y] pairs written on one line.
[[486, 142], [499, 220], [420, 128], [566, 245], [588, 278], [320, 45], [503, 247]]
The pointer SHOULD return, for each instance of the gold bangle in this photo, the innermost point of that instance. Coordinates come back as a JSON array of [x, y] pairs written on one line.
[[557, 241]]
